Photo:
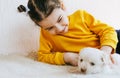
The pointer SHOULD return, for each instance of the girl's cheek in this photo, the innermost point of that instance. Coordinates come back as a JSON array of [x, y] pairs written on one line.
[[52, 32]]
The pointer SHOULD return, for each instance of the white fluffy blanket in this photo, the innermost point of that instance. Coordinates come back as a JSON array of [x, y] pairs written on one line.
[[19, 66]]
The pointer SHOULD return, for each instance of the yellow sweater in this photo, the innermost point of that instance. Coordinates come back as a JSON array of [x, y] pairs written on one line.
[[84, 31]]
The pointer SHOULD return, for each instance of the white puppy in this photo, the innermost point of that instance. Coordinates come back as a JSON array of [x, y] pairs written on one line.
[[92, 60]]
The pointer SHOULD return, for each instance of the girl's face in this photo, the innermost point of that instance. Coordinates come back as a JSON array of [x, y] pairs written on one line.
[[56, 23]]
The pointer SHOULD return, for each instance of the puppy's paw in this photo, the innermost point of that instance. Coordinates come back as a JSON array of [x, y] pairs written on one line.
[[73, 70]]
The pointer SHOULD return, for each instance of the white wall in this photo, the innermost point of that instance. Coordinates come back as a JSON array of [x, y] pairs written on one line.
[[18, 34], [107, 11]]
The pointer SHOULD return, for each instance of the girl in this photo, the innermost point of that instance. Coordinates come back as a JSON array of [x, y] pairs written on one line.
[[62, 36]]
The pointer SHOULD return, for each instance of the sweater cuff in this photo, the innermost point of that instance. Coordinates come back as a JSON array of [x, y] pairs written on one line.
[[59, 59]]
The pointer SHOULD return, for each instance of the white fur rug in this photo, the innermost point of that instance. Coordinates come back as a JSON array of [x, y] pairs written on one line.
[[18, 66]]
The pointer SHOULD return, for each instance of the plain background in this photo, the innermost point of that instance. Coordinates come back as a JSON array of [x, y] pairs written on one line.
[[18, 34]]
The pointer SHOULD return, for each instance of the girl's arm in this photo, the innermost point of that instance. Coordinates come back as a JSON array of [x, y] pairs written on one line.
[[45, 52], [106, 33], [107, 49]]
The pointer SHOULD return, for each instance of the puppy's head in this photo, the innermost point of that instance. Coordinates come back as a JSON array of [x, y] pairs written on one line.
[[91, 60]]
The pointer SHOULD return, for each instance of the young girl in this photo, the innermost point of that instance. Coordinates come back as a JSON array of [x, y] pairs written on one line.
[[62, 36]]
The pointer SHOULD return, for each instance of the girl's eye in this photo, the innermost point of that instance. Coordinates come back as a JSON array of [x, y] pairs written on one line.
[[60, 19]]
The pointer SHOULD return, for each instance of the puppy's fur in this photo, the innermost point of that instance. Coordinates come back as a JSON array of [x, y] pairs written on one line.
[[92, 60]]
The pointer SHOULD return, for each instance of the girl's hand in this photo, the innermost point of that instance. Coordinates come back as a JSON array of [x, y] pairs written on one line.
[[71, 58], [106, 49]]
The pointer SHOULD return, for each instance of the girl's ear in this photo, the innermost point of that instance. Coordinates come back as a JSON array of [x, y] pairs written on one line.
[[62, 5]]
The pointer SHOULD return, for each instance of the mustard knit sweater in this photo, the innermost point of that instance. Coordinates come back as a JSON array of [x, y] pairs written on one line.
[[84, 31]]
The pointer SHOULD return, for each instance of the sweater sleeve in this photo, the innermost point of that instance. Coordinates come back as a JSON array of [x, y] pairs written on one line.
[[105, 32], [45, 53]]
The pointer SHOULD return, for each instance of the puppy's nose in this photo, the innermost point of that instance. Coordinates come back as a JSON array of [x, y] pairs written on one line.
[[83, 70]]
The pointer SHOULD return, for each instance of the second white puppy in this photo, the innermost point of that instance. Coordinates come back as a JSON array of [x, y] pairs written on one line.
[[92, 60]]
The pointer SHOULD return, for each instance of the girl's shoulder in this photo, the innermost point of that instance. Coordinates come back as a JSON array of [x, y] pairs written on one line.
[[79, 12]]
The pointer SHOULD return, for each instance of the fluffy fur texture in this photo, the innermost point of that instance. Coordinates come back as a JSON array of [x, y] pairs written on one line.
[[92, 60]]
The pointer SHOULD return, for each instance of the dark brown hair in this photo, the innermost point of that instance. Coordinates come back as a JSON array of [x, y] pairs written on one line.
[[39, 9]]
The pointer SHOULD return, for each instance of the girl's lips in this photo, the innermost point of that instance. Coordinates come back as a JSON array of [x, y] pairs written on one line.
[[66, 29]]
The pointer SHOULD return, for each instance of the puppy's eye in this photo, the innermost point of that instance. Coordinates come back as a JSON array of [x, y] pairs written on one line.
[[92, 63], [81, 60]]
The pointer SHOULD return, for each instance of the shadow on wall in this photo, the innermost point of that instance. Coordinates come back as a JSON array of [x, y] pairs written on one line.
[[18, 34]]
